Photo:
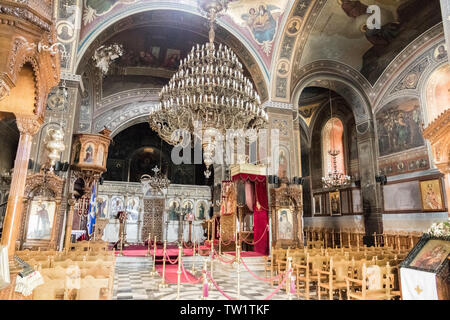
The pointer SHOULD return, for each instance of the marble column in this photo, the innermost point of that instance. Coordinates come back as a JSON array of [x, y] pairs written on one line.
[[69, 222], [28, 126], [371, 191]]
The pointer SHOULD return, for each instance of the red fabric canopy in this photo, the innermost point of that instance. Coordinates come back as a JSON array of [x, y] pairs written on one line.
[[260, 208]]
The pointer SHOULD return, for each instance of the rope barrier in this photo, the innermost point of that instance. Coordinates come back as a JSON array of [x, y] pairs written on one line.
[[255, 242], [222, 260], [187, 277], [279, 286], [170, 261], [227, 243], [217, 287], [259, 278], [186, 246]]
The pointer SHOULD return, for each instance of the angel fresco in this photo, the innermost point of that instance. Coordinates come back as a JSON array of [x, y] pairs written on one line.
[[95, 8], [261, 22]]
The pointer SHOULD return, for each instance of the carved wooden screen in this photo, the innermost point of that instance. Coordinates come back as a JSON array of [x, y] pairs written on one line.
[[153, 219]]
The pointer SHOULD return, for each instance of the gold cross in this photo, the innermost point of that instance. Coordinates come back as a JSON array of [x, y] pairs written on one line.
[[418, 290]]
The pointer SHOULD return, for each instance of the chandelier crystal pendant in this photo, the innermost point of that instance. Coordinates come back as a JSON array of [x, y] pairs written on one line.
[[334, 179], [209, 88]]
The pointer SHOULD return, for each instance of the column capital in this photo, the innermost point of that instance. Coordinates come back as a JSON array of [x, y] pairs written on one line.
[[4, 89], [29, 125]]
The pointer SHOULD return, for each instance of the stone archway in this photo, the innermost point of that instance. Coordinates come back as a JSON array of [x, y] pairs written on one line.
[[357, 99]]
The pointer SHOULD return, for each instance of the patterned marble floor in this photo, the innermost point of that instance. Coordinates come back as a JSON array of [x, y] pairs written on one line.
[[133, 282]]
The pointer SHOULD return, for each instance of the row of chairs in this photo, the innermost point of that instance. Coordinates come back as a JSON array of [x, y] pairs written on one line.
[[349, 238], [333, 270], [85, 272]]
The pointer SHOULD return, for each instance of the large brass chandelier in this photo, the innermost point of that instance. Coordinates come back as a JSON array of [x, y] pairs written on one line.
[[209, 88], [334, 179]]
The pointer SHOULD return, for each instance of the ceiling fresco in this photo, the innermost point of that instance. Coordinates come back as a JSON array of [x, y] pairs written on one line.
[[256, 21], [340, 33]]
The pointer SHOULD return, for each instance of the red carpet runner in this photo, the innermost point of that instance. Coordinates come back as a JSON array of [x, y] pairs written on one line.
[[141, 251], [171, 275]]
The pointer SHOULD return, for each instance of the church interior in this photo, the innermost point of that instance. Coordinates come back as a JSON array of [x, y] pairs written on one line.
[[224, 150]]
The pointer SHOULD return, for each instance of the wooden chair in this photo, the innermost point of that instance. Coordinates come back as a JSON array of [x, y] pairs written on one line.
[[306, 274], [334, 278], [277, 256], [375, 284], [90, 288], [47, 290]]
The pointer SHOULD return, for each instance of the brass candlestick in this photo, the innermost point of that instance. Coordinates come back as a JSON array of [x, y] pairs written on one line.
[[149, 245], [179, 272], [153, 272], [163, 283]]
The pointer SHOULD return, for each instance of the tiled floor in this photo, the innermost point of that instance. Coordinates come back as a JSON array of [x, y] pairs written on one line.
[[133, 281]]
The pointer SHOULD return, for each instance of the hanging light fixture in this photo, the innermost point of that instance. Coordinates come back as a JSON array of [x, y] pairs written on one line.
[[209, 87], [158, 181], [334, 179]]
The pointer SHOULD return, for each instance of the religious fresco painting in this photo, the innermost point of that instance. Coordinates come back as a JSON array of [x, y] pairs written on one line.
[[201, 212], [441, 52], [432, 197], [173, 211], [399, 126], [188, 210], [89, 153], [40, 221], [317, 204], [285, 224], [133, 207], [260, 18], [117, 204], [438, 92], [97, 8], [335, 203], [431, 256], [102, 206], [100, 155]]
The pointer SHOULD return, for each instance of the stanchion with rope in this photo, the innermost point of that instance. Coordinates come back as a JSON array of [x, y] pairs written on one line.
[[288, 282], [193, 259], [205, 292], [220, 238], [238, 258], [163, 283], [154, 272], [211, 264], [149, 245], [179, 273]]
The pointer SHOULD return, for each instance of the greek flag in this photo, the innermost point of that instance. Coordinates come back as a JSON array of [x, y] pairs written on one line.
[[92, 211]]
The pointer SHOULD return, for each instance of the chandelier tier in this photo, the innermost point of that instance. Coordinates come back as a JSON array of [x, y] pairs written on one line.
[[209, 88], [335, 179]]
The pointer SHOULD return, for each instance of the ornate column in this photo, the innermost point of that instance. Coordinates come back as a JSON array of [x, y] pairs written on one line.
[[438, 133], [28, 126], [69, 222]]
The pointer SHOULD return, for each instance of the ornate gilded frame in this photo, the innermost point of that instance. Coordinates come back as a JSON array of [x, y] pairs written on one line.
[[287, 197], [47, 187]]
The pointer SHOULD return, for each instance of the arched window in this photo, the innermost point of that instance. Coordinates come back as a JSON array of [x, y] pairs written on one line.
[[332, 140]]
